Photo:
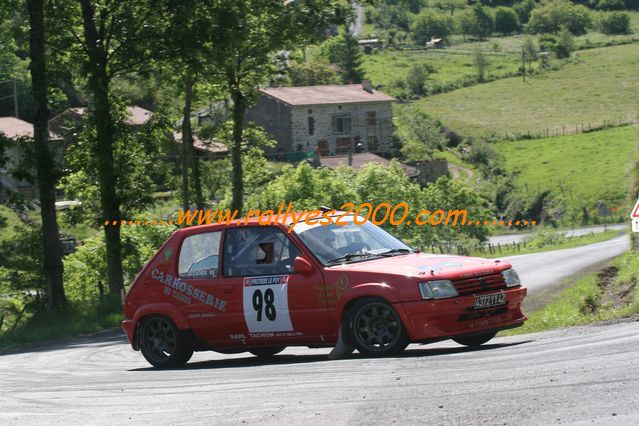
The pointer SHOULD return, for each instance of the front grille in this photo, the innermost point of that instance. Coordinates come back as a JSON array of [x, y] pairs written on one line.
[[482, 284]]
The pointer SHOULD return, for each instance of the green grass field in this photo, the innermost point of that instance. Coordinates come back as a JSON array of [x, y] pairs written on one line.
[[451, 65], [581, 168], [601, 85]]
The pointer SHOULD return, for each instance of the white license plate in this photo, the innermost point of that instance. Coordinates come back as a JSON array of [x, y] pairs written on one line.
[[488, 300]]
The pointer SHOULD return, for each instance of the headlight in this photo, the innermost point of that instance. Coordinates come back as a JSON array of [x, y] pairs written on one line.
[[511, 278], [440, 289]]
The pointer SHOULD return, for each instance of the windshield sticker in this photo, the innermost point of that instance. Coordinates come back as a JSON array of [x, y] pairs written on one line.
[[184, 292]]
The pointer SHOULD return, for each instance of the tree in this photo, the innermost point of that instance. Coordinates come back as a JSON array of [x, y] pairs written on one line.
[[484, 22], [250, 33], [529, 53], [47, 177], [420, 135], [565, 44], [481, 63], [552, 16], [506, 20], [350, 60], [312, 74], [450, 5], [615, 23], [466, 22], [114, 39], [416, 79], [523, 10], [186, 48], [429, 24]]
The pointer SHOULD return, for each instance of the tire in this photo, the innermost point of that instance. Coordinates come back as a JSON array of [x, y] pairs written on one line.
[[475, 340], [162, 344], [267, 352], [375, 328]]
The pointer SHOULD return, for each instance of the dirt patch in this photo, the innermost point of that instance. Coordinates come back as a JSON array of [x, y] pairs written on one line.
[[613, 293]]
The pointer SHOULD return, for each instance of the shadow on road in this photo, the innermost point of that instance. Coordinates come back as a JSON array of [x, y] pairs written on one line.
[[302, 359], [102, 338]]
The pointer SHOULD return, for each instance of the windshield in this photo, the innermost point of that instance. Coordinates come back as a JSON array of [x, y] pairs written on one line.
[[333, 244]]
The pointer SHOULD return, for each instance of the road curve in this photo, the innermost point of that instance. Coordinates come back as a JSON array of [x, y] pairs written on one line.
[[578, 375], [572, 376], [539, 270]]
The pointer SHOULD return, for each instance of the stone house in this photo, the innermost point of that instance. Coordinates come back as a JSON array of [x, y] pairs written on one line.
[[331, 119], [21, 132]]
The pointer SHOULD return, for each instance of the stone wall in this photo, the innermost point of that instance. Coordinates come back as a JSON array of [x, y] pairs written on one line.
[[360, 132]]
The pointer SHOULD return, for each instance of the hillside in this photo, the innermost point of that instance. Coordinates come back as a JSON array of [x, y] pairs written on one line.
[[577, 169], [600, 85]]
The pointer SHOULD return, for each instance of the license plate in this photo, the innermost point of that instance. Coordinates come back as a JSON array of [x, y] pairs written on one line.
[[488, 300]]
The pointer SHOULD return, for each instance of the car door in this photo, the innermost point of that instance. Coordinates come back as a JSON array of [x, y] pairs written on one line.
[[206, 309], [271, 303]]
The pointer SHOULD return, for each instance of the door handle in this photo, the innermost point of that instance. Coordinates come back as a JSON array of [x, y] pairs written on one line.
[[227, 288]]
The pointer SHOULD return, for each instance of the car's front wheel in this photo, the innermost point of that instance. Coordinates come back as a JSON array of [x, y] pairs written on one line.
[[267, 352], [162, 344], [376, 329], [475, 339]]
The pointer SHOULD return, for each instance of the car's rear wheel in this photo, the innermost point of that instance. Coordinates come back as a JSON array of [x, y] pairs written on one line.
[[376, 329], [267, 352], [475, 339], [162, 344]]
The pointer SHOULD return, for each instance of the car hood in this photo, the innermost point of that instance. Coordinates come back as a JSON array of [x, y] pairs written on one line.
[[427, 265]]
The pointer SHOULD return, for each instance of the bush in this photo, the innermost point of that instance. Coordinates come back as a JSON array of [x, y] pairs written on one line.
[[615, 23], [506, 20], [416, 80], [552, 16], [429, 24]]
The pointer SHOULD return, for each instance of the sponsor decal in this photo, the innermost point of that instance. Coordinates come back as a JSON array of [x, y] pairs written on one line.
[[340, 285], [269, 280], [241, 336], [265, 301], [185, 292]]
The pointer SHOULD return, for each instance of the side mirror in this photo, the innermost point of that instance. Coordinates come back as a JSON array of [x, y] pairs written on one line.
[[302, 265]]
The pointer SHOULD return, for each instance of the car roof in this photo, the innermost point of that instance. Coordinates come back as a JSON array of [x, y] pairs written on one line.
[[252, 221]]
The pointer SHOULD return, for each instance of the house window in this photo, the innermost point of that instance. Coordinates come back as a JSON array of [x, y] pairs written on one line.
[[311, 126], [342, 145], [322, 147], [342, 125], [373, 143], [371, 118]]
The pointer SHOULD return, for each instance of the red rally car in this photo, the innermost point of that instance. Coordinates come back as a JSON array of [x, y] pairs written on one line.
[[248, 287]]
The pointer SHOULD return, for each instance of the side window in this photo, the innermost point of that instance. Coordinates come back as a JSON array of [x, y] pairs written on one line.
[[258, 251], [199, 256]]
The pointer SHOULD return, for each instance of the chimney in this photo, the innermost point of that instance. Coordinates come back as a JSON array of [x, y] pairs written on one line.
[[367, 86]]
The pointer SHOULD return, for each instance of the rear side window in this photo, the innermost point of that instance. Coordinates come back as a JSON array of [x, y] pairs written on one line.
[[199, 256], [258, 251]]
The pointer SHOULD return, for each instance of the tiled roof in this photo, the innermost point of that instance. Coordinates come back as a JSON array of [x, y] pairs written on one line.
[[360, 160], [322, 95], [13, 128]]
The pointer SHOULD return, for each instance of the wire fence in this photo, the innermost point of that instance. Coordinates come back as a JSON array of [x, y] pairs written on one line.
[[564, 130]]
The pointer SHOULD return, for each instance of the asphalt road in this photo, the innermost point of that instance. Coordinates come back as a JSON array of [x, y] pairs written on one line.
[[515, 238], [585, 375], [539, 270]]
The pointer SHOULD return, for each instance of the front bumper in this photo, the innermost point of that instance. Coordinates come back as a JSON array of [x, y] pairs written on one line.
[[427, 320]]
